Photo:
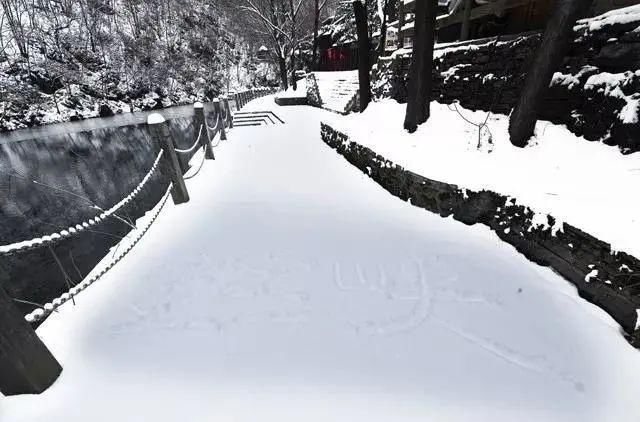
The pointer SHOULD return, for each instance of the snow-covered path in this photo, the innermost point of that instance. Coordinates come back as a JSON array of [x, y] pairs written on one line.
[[293, 288]]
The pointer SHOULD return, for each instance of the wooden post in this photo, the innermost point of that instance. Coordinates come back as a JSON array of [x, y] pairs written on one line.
[[233, 98], [466, 20], [202, 130], [556, 39], [160, 131], [220, 119], [229, 113], [363, 54], [400, 23], [26, 365], [225, 112]]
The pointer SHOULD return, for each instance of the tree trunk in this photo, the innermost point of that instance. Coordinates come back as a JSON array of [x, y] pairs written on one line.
[[294, 83], [556, 39], [466, 20], [400, 23], [316, 28], [363, 54], [294, 44], [282, 63], [427, 64], [383, 31], [415, 90]]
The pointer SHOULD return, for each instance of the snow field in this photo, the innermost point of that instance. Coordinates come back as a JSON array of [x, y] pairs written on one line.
[[292, 287]]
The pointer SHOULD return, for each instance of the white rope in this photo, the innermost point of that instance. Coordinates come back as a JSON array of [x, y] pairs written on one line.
[[40, 313], [53, 238], [216, 128], [217, 143], [199, 167], [194, 146]]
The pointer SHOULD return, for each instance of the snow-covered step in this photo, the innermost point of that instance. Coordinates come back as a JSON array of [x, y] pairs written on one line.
[[337, 90], [255, 118]]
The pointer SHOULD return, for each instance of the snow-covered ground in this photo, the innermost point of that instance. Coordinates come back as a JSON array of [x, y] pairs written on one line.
[[299, 92], [587, 184], [294, 288]]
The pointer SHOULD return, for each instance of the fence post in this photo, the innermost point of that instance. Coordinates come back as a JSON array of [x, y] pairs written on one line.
[[205, 139], [160, 131], [236, 96], [26, 365], [220, 119], [229, 114], [232, 97]]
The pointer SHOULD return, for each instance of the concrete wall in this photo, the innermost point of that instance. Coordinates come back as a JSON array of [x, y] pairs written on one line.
[[570, 252], [103, 165], [599, 77]]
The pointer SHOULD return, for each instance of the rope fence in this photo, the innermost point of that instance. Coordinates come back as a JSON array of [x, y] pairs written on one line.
[[40, 313], [53, 238], [18, 340], [195, 144]]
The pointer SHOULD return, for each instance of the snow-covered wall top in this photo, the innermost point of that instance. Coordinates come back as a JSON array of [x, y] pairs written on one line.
[[596, 93]]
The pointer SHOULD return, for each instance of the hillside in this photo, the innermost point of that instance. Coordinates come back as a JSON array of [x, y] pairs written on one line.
[[69, 60]]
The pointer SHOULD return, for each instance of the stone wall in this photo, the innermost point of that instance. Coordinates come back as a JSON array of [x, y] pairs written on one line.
[[103, 166], [313, 93], [602, 276], [595, 93]]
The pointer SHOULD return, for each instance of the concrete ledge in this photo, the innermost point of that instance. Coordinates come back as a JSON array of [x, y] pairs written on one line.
[[291, 101], [573, 254]]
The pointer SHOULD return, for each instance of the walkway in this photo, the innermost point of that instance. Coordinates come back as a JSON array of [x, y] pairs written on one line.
[[292, 288]]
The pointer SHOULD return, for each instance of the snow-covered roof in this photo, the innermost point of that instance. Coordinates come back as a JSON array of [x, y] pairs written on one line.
[[263, 48]]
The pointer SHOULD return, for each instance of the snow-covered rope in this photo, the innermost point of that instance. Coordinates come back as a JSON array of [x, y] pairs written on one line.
[[225, 116], [217, 143], [194, 146], [216, 128], [51, 239], [199, 167], [40, 313]]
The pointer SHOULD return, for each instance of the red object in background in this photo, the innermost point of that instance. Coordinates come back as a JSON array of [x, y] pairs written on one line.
[[337, 59]]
